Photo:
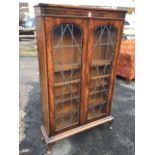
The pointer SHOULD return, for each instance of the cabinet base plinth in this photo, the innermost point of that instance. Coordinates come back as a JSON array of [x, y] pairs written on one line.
[[54, 138]]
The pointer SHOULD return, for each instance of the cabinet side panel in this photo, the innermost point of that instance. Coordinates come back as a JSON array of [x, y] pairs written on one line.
[[50, 71], [119, 25], [43, 72]]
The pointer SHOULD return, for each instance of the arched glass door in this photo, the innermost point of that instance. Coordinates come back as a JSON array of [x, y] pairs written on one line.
[[100, 72], [67, 51]]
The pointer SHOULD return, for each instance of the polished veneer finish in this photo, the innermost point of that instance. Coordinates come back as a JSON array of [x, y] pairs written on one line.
[[78, 49]]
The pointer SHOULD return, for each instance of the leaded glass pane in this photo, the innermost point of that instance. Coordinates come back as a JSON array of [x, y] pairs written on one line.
[[102, 57], [67, 50]]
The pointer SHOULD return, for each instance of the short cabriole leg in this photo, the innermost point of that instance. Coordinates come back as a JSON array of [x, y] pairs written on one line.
[[110, 125], [49, 149]]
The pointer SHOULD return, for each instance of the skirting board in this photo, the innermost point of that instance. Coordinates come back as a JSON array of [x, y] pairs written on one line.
[[71, 132]]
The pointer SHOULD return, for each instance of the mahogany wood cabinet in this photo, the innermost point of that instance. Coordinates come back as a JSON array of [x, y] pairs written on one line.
[[78, 49]]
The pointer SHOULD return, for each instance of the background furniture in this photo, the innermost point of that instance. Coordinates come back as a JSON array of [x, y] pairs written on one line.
[[77, 49], [126, 60]]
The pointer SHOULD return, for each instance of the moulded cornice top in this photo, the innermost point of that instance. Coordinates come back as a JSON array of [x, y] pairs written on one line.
[[72, 11]]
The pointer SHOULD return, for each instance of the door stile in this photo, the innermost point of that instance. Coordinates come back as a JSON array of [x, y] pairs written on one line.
[[119, 25], [88, 64], [84, 75]]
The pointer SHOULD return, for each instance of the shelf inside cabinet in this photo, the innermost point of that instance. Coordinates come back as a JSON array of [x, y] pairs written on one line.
[[67, 46], [98, 110], [78, 80], [100, 63], [97, 100], [59, 101], [71, 118], [66, 83], [100, 76], [66, 107], [62, 68], [67, 113], [62, 123], [98, 91], [58, 90]]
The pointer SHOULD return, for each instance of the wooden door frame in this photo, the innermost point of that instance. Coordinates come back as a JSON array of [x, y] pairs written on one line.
[[93, 25], [50, 23]]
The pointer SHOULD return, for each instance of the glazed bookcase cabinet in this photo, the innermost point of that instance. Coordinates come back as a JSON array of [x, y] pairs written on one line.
[[78, 49]]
